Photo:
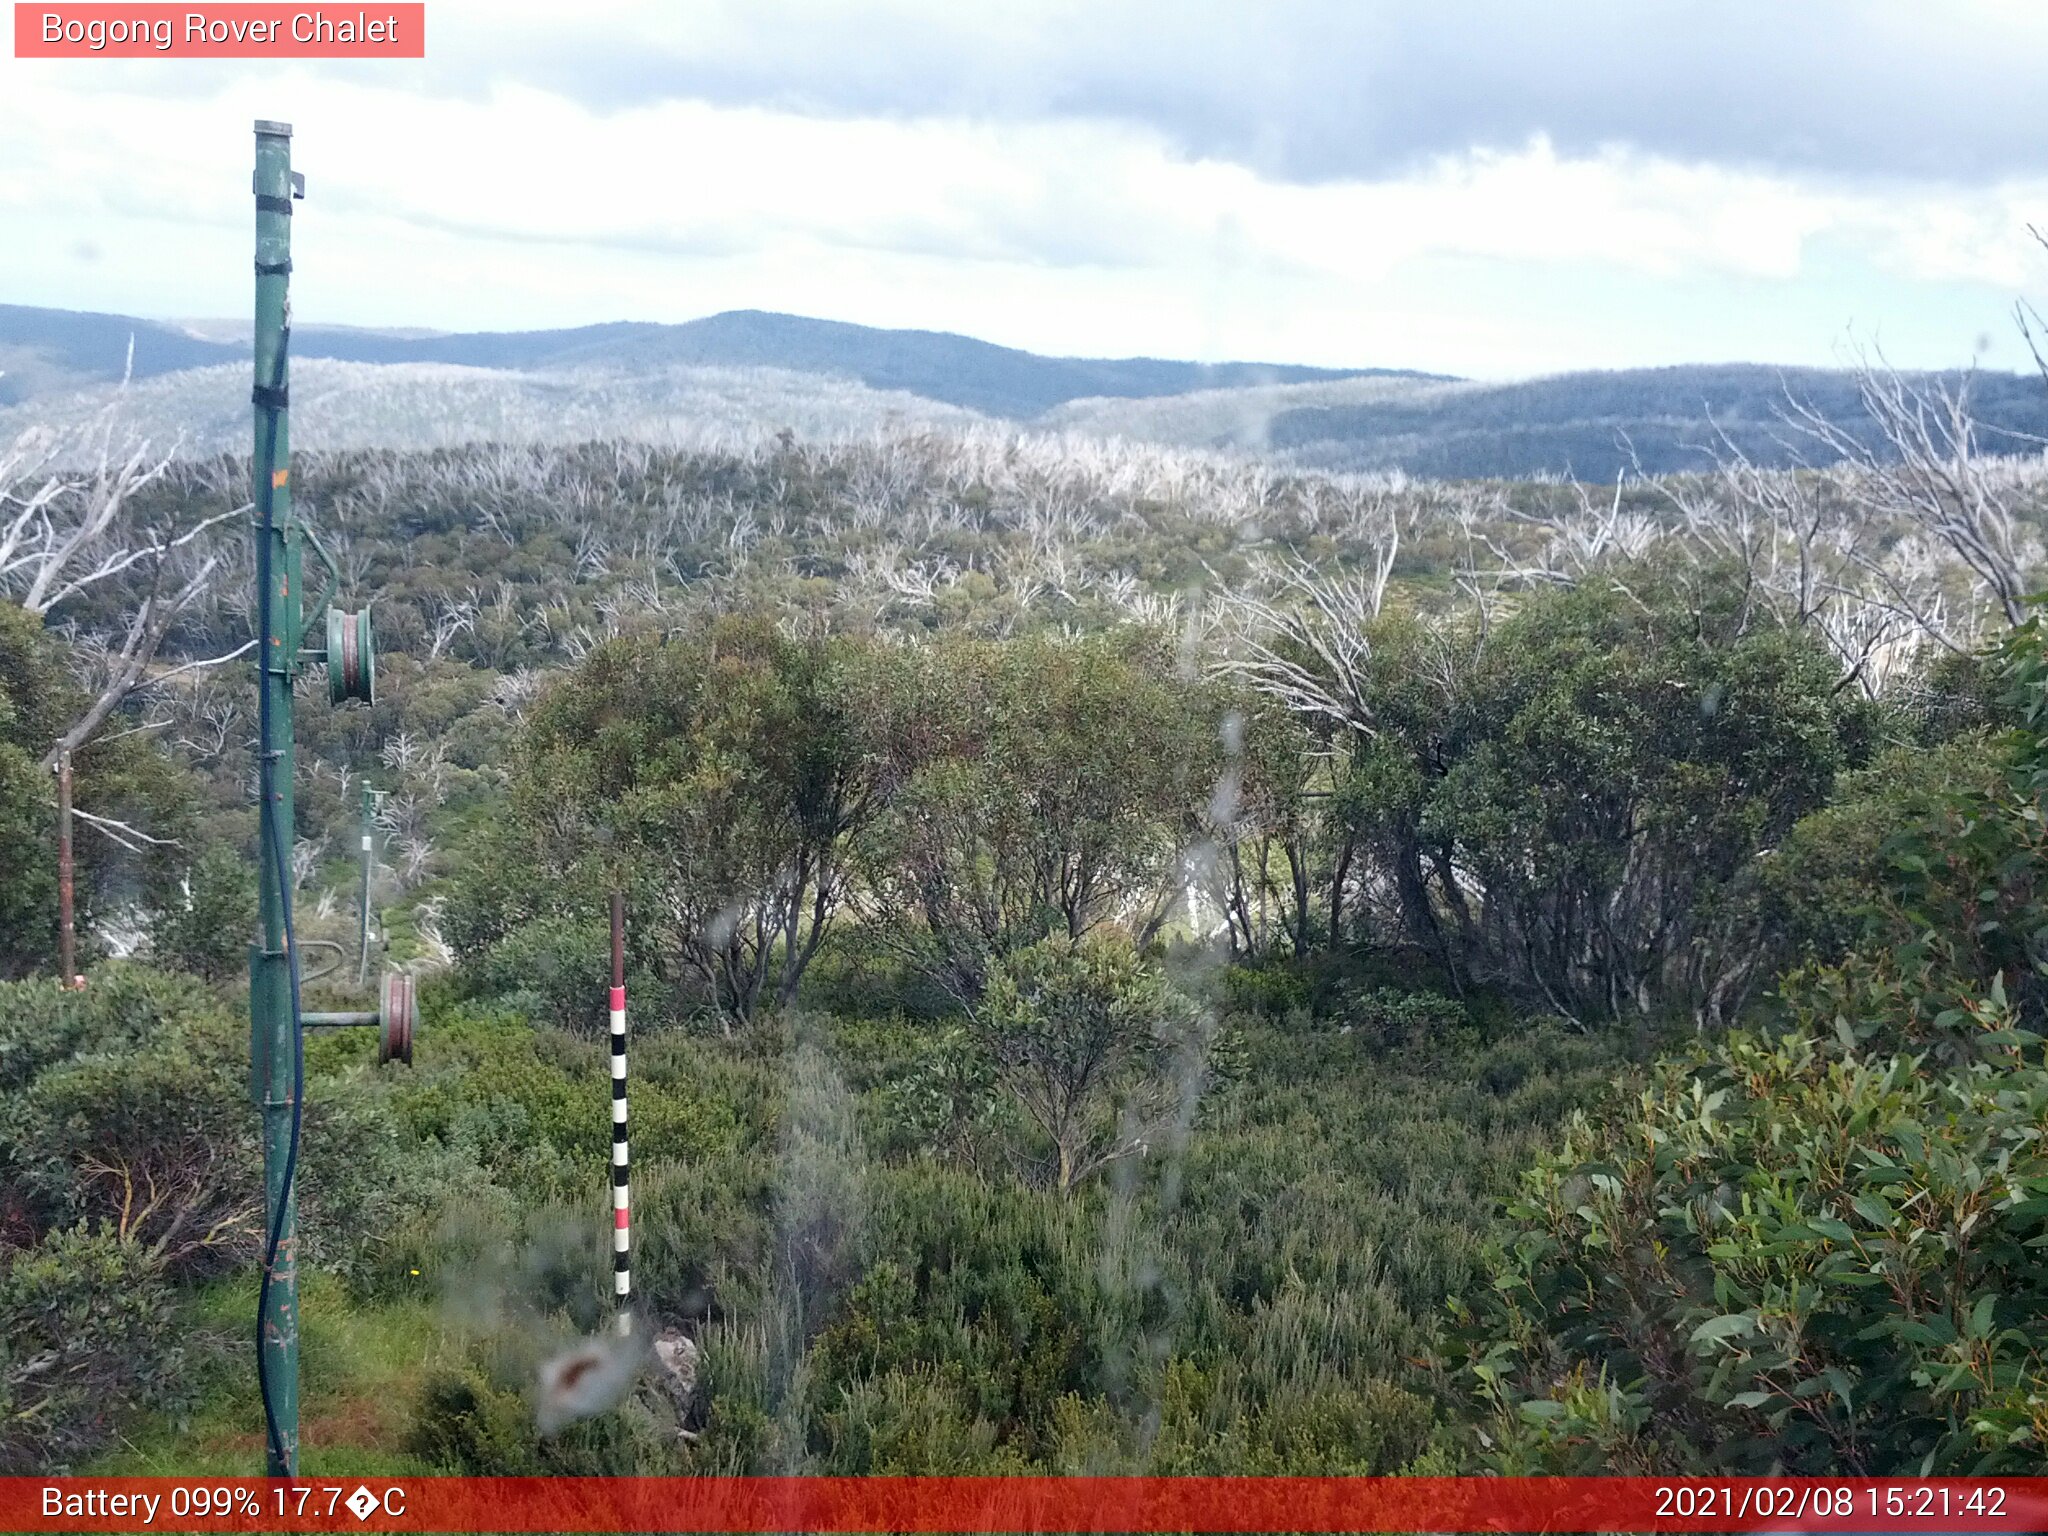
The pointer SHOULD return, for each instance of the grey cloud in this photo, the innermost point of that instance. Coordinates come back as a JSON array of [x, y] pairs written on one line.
[[1314, 90], [1058, 231]]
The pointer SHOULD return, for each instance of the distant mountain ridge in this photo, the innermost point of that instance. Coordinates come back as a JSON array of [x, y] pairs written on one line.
[[64, 346], [1596, 426], [748, 372]]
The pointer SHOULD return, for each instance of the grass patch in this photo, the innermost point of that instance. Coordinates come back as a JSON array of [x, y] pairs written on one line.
[[359, 1369]]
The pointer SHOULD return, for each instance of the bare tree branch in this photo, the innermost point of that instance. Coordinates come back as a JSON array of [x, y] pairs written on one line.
[[121, 832]]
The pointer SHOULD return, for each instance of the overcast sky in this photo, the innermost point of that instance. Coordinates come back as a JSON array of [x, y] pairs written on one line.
[[1485, 187]]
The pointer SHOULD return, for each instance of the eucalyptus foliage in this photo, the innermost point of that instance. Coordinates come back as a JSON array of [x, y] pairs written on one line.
[[1820, 1247]]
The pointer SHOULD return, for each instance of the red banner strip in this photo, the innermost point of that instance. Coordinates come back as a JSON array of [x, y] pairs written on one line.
[[1052, 1504], [379, 30]]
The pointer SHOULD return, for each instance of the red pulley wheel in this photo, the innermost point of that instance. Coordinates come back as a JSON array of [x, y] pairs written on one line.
[[351, 657], [394, 1036]]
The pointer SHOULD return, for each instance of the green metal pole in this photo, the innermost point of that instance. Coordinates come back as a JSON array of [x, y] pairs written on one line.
[[272, 1027], [369, 844]]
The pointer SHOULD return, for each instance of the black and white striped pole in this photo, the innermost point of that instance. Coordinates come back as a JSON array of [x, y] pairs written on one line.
[[622, 1205]]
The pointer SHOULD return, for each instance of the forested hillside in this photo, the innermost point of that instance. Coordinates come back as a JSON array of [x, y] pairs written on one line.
[[48, 345], [1140, 960]]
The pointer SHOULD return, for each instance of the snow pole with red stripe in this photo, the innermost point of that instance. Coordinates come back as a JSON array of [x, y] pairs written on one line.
[[622, 1219]]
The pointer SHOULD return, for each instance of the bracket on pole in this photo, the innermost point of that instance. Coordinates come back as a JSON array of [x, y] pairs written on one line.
[[397, 1011]]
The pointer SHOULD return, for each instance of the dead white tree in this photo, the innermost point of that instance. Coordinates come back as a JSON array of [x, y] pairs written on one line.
[[211, 723], [307, 854], [1303, 637], [921, 582], [66, 532], [1928, 469], [1811, 557], [452, 615]]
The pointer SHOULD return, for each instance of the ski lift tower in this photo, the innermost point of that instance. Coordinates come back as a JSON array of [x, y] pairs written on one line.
[[276, 1019]]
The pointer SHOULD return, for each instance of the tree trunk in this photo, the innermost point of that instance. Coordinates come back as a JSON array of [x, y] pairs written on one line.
[[1418, 912], [1337, 879], [1297, 862]]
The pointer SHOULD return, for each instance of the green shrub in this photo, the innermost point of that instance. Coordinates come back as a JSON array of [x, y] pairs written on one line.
[[86, 1332], [123, 1006], [478, 1419], [136, 1113], [534, 1105], [1819, 1250], [448, 1249], [1824, 888], [820, 1187], [1791, 1254], [363, 1181], [462, 1424], [1392, 1019], [1009, 1286], [1952, 897], [932, 1090], [208, 933], [1094, 1046], [1544, 1053], [704, 1232], [555, 968], [1204, 1422], [912, 1422], [1274, 991]]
